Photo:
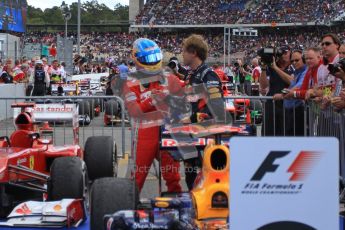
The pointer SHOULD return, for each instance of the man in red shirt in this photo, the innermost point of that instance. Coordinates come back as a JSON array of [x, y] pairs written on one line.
[[52, 50], [256, 71], [327, 83], [313, 61]]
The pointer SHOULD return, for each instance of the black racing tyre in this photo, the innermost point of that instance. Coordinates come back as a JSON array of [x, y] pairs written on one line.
[[68, 179], [84, 108], [112, 108], [100, 154], [92, 108], [109, 195]]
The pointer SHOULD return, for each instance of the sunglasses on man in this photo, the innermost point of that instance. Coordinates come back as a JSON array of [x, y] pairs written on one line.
[[326, 43]]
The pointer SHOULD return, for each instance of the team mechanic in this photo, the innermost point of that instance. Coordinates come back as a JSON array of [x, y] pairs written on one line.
[[144, 93], [207, 97]]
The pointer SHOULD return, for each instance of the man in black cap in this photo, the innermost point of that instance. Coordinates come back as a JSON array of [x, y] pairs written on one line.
[[273, 78]]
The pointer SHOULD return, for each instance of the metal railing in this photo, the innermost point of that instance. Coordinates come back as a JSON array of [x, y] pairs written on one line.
[[328, 122], [307, 119], [269, 117], [63, 130]]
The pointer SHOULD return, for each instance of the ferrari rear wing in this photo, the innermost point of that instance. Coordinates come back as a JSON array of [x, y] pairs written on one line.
[[52, 112]]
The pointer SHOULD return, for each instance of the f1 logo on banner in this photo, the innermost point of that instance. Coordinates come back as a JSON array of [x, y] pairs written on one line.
[[300, 168], [276, 180]]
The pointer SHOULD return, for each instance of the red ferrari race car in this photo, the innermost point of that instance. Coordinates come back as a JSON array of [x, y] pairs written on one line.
[[32, 167], [241, 109]]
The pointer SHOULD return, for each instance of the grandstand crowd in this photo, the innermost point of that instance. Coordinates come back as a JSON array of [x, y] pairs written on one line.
[[98, 47], [167, 12]]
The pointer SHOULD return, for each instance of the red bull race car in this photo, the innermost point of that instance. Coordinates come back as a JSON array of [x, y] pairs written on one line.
[[205, 207]]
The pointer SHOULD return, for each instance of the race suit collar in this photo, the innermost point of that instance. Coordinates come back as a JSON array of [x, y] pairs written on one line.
[[199, 68]]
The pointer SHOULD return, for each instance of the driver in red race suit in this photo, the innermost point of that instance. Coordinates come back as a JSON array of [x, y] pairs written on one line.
[[144, 93]]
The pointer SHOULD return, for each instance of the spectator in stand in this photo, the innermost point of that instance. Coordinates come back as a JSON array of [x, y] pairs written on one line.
[[6, 76]]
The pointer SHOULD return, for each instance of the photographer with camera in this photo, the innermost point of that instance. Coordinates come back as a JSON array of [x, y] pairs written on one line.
[[329, 72], [275, 75], [177, 68], [339, 68], [339, 101], [239, 76], [247, 84]]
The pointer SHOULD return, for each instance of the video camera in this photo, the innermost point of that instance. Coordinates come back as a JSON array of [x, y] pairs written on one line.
[[334, 68], [267, 54], [172, 64]]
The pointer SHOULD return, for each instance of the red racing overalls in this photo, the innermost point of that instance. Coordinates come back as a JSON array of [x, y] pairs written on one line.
[[140, 105]]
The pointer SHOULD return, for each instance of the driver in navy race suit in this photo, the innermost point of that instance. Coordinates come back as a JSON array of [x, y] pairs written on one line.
[[206, 96]]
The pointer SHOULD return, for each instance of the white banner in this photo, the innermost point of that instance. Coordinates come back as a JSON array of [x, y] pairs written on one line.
[[284, 183], [91, 76]]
